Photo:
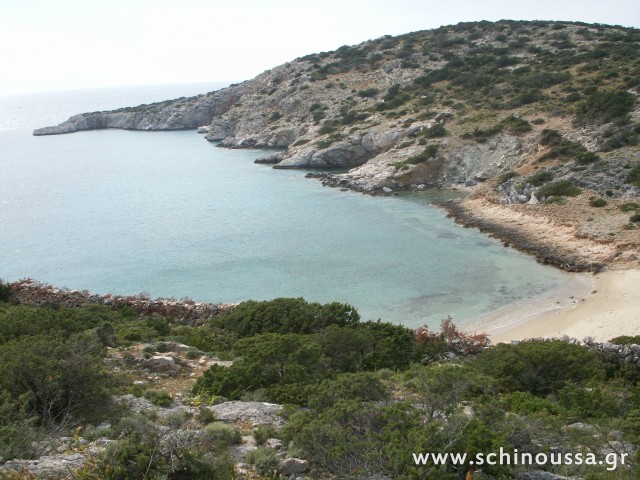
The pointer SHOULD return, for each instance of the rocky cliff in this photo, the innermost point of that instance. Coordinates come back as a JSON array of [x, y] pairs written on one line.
[[180, 114], [458, 104]]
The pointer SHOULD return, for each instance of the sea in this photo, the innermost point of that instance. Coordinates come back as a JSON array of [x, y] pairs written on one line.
[[172, 215]]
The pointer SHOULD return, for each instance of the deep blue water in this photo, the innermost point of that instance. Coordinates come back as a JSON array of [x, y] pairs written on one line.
[[170, 214]]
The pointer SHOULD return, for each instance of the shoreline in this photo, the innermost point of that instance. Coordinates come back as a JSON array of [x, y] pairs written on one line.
[[608, 310], [602, 299]]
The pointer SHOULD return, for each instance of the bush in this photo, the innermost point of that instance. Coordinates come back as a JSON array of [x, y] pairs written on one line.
[[268, 361], [524, 403], [539, 178], [5, 291], [629, 206], [633, 177], [561, 188], [262, 433], [57, 377], [364, 387], [264, 459], [597, 202], [563, 149], [539, 367], [219, 436], [368, 92], [507, 176], [285, 315], [436, 130], [626, 340], [635, 218], [159, 398], [604, 106]]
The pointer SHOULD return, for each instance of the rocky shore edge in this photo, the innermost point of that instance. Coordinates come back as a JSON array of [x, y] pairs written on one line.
[[184, 311], [521, 241]]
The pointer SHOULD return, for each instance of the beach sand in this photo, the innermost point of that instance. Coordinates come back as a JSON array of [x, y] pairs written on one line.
[[611, 308]]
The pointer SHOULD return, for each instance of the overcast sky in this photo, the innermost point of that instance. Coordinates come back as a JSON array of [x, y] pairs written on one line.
[[70, 44]]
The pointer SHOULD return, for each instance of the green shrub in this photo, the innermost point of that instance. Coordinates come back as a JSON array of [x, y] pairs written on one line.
[[364, 387], [264, 460], [516, 125], [604, 106], [563, 149], [436, 130], [626, 340], [635, 218], [629, 206], [268, 361], [285, 315], [159, 398], [507, 176], [368, 92], [524, 403], [5, 291], [561, 188], [219, 436], [597, 202], [633, 177], [58, 378], [205, 416], [539, 178], [539, 367], [262, 433], [586, 158]]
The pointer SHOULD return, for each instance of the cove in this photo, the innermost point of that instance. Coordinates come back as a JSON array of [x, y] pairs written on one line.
[[170, 214]]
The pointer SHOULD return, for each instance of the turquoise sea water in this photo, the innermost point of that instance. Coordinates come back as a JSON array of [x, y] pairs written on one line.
[[170, 214]]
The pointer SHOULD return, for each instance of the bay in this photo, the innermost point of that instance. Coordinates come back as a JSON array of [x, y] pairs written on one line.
[[172, 215]]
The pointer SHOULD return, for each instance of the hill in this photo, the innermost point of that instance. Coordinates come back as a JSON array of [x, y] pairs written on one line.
[[533, 111]]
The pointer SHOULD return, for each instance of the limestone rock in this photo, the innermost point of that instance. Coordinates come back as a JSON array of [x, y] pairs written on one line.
[[257, 413], [49, 467], [292, 466], [161, 364]]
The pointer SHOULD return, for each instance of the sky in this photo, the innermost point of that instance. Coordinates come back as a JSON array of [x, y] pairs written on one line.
[[72, 44]]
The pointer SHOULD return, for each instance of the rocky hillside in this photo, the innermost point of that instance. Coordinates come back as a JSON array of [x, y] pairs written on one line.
[[456, 104]]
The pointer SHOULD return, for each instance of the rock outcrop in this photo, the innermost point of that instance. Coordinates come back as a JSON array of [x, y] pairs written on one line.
[[180, 114], [482, 93]]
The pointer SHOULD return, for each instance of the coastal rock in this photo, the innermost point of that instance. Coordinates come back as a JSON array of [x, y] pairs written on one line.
[[180, 114], [270, 159]]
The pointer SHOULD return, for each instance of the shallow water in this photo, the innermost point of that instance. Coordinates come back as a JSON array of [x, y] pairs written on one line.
[[170, 214]]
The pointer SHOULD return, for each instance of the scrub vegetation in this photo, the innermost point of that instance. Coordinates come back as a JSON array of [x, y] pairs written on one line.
[[360, 396]]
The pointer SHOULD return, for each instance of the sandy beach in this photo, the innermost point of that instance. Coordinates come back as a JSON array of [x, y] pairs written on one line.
[[575, 238], [610, 309]]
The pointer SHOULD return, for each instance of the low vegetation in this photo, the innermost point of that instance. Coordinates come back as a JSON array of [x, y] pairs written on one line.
[[362, 395]]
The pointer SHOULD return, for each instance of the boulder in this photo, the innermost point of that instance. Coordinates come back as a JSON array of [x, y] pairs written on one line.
[[161, 364], [293, 466], [257, 413]]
